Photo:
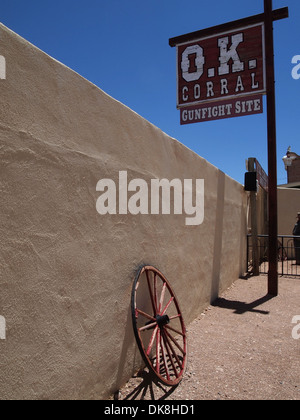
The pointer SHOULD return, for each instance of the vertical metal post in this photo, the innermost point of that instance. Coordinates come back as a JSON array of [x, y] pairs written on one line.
[[272, 151], [254, 229]]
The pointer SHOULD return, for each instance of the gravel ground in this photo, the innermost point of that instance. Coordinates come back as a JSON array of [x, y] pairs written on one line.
[[240, 348]]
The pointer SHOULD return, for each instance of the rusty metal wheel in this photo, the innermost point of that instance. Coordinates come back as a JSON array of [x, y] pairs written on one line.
[[158, 325]]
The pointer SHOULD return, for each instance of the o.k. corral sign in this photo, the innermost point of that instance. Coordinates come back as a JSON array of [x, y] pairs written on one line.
[[221, 76]]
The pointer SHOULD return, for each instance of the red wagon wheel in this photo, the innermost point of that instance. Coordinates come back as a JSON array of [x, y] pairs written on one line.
[[158, 325]]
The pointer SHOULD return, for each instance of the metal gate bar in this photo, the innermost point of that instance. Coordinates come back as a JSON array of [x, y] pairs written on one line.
[[287, 264]]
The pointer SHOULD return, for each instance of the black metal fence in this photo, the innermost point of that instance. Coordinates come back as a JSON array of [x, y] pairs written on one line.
[[288, 252]]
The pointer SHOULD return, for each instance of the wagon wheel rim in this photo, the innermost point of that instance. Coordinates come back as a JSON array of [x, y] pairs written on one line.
[[159, 326]]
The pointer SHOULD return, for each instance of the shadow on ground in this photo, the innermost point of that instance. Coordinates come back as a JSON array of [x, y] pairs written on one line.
[[148, 386], [241, 308]]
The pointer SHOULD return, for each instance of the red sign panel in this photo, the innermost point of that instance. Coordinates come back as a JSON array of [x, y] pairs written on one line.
[[262, 177], [224, 66], [234, 107]]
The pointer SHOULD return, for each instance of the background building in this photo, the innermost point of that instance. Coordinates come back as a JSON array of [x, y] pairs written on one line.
[[289, 194], [292, 166]]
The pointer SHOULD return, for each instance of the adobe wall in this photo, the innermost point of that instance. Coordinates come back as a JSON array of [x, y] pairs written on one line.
[[288, 207], [67, 271]]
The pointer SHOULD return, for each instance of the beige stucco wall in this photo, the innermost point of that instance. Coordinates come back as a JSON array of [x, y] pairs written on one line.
[[66, 271], [288, 207]]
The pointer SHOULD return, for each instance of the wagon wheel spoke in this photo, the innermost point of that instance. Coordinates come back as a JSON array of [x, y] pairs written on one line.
[[175, 316], [173, 351], [170, 355], [152, 297], [173, 329], [148, 326], [168, 304], [155, 292], [152, 341], [158, 351], [162, 297], [145, 315], [175, 342], [164, 358]]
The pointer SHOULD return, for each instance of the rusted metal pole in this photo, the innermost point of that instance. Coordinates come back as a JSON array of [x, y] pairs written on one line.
[[272, 151]]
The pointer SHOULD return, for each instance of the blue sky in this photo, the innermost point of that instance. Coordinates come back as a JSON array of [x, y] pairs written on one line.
[[122, 47]]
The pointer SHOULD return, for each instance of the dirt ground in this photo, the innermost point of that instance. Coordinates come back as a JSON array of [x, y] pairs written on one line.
[[240, 348]]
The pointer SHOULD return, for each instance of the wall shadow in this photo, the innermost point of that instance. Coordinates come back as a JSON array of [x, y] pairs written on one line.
[[127, 364], [218, 237]]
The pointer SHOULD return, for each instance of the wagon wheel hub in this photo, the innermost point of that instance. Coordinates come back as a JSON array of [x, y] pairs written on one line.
[[162, 320]]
